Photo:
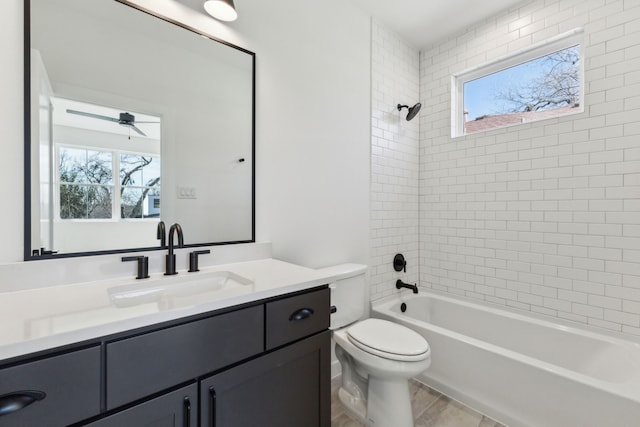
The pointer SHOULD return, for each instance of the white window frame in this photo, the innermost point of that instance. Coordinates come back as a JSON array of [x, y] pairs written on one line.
[[555, 44], [115, 185], [59, 182]]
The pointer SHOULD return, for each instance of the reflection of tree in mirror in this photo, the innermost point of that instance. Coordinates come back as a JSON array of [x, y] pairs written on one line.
[[82, 190], [555, 83], [139, 179]]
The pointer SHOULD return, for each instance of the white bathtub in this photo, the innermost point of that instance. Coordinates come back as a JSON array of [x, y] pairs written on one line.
[[521, 370]]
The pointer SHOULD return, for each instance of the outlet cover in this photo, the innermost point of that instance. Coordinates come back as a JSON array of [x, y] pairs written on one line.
[[187, 193]]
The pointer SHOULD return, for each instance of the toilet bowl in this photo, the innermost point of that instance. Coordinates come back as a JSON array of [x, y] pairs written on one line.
[[375, 374], [377, 357]]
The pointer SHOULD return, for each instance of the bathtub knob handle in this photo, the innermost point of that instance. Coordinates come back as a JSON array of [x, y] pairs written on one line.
[[399, 263]]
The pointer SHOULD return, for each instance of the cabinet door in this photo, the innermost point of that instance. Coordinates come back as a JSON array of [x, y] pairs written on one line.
[[175, 409], [289, 387]]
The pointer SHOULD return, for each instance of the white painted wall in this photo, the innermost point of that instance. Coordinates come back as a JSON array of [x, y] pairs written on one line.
[[11, 130], [544, 216], [395, 161], [312, 130]]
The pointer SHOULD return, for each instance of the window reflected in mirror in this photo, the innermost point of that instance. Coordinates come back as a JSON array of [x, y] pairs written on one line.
[[105, 164]]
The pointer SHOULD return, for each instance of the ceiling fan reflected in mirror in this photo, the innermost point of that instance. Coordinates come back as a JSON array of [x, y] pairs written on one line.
[[124, 119]]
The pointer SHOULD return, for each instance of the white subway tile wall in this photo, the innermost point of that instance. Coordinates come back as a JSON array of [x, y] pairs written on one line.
[[395, 161], [543, 217]]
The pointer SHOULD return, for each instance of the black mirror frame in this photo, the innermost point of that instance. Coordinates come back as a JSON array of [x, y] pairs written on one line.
[[30, 255]]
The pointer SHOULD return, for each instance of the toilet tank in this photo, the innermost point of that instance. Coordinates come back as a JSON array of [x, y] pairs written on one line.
[[348, 287]]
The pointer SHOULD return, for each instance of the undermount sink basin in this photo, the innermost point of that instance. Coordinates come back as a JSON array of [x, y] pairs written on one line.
[[181, 290]]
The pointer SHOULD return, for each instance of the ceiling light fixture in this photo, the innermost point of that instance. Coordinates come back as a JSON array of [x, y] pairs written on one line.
[[224, 10]]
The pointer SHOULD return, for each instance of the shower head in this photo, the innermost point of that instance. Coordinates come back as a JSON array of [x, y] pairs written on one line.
[[413, 111]]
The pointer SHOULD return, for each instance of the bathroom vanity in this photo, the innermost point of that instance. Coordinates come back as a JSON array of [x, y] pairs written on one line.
[[259, 358]]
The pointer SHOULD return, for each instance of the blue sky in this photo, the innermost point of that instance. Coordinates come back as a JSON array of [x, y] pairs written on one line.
[[481, 96]]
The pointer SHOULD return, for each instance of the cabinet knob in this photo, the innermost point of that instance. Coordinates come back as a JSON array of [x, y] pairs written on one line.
[[212, 406], [186, 418], [303, 313], [18, 400]]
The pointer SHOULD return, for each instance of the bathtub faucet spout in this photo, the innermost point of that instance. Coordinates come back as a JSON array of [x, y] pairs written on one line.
[[400, 284]]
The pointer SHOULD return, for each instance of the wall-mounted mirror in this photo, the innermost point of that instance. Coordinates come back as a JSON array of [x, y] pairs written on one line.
[[129, 120]]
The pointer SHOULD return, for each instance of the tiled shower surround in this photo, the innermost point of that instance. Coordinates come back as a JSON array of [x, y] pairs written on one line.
[[543, 217], [395, 161]]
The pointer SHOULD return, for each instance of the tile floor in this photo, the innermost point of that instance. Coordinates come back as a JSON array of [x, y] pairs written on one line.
[[430, 409]]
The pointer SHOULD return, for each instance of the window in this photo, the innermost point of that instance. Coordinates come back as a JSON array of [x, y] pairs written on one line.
[[140, 186], [536, 84], [87, 189], [86, 184]]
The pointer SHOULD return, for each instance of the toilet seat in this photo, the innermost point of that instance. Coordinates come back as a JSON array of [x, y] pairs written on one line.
[[388, 340]]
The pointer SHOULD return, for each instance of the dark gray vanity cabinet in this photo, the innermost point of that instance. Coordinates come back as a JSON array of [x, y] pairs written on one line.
[[178, 408], [288, 387], [265, 363]]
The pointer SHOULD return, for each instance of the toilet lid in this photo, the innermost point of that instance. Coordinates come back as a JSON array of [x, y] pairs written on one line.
[[389, 340]]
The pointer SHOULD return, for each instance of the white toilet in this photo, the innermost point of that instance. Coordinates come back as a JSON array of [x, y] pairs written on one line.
[[377, 357]]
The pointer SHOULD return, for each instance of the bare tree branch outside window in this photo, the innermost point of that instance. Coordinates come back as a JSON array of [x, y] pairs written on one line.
[[139, 179], [85, 184], [556, 85]]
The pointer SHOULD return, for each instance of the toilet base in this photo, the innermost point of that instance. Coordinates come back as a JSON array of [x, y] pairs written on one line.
[[388, 404], [355, 406]]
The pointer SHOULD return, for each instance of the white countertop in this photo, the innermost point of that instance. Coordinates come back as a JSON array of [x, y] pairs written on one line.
[[39, 319]]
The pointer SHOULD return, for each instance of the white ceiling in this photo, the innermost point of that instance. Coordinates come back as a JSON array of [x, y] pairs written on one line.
[[422, 22]]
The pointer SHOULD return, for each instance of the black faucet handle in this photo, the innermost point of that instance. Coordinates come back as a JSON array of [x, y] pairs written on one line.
[[193, 259], [143, 265], [161, 234], [399, 263]]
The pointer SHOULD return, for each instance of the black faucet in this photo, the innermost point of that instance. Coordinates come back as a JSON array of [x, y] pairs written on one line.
[[160, 234], [171, 257], [400, 284], [143, 265], [193, 259]]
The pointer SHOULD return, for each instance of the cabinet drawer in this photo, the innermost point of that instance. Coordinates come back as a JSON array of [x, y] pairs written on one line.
[[70, 383], [296, 317], [146, 364]]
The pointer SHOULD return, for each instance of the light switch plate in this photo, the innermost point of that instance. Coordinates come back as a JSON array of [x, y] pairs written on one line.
[[187, 193]]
